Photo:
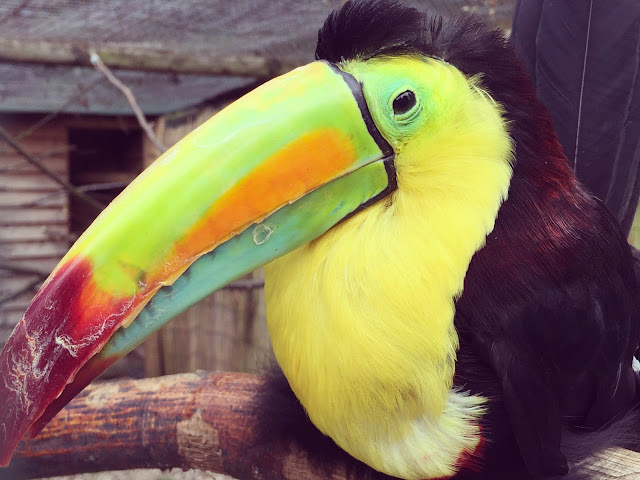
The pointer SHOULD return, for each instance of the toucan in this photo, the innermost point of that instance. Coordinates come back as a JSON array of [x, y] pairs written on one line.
[[443, 296]]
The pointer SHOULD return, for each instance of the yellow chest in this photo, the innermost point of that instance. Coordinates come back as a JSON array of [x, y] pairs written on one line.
[[361, 319], [361, 322]]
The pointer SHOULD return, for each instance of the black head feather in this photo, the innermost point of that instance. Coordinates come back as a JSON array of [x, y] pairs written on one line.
[[375, 28], [369, 29], [362, 30]]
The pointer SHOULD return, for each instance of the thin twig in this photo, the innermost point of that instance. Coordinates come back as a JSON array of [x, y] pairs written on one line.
[[82, 89], [13, 295], [20, 269], [12, 167], [48, 172], [100, 66], [10, 14], [92, 187]]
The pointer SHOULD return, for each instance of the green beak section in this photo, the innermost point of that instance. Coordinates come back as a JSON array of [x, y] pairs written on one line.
[[270, 173]]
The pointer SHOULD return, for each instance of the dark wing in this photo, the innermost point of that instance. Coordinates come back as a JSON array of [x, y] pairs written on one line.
[[584, 58], [550, 304]]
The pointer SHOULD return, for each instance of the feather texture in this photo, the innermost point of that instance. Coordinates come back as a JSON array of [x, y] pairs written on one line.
[[584, 58]]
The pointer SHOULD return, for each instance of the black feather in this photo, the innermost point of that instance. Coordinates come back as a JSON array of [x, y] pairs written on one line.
[[370, 29], [584, 58]]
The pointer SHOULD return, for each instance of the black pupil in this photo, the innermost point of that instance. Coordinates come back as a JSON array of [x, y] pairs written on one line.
[[404, 102]]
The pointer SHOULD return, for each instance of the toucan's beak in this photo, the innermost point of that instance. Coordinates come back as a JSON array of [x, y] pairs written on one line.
[[274, 170]]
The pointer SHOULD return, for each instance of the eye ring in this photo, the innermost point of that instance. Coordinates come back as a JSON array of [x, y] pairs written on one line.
[[404, 105]]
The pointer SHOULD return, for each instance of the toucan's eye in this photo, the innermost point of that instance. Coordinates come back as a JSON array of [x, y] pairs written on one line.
[[404, 102]]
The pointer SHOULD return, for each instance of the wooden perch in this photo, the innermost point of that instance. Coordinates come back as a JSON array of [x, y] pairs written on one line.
[[206, 421]]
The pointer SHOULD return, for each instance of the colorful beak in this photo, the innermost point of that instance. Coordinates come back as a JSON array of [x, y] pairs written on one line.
[[273, 171]]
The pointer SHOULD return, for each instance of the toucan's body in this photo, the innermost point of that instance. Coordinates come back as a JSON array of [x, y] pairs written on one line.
[[452, 303], [548, 315]]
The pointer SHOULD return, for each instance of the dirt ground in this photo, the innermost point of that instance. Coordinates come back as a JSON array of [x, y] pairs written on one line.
[[175, 474]]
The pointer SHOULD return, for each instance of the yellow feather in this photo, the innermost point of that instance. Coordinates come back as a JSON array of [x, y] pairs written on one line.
[[361, 319]]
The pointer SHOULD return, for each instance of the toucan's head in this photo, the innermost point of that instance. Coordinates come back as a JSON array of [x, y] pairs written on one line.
[[395, 116]]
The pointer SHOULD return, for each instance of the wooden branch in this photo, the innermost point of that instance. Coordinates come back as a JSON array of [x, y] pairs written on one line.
[[97, 62], [206, 421], [48, 172], [142, 57]]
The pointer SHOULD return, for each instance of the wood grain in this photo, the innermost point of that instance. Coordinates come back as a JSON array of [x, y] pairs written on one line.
[[204, 421]]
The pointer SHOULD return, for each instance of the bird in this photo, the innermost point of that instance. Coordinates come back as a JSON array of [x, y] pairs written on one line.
[[443, 296]]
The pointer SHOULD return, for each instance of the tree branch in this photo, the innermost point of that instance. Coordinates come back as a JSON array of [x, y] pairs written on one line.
[[100, 66], [206, 421], [49, 173]]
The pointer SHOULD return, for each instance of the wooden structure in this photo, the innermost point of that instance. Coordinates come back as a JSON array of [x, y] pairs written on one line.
[[33, 218], [39, 221]]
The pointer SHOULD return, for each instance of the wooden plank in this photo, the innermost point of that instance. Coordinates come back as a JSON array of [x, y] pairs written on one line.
[[152, 346], [20, 304], [32, 216], [24, 292], [25, 233], [146, 57], [11, 181], [25, 250], [105, 177], [224, 332], [44, 141], [6, 330], [616, 464], [13, 162], [100, 122], [23, 199], [40, 264], [49, 146], [15, 283]]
